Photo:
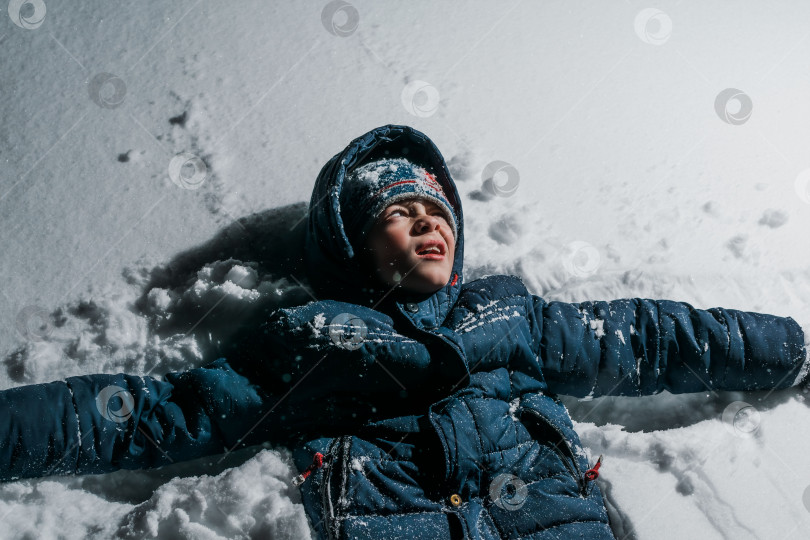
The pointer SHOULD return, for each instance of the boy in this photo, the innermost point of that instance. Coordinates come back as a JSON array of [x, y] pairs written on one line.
[[417, 405]]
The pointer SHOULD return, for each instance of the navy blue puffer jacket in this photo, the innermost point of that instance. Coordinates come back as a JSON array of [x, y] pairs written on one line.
[[436, 416]]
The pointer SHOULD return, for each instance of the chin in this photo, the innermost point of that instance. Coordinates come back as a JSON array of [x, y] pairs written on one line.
[[425, 284]]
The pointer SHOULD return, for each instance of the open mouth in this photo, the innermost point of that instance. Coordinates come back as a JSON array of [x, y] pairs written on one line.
[[431, 250]]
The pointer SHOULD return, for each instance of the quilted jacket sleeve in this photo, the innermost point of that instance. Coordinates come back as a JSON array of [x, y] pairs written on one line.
[[640, 347], [296, 375], [101, 423], [341, 363]]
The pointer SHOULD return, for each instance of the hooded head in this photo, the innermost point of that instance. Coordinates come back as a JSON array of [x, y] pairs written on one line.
[[386, 165]]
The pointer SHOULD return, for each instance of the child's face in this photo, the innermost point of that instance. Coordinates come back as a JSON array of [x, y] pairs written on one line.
[[398, 241]]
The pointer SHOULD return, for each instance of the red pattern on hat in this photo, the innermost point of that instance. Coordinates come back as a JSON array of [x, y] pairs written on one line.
[[430, 180]]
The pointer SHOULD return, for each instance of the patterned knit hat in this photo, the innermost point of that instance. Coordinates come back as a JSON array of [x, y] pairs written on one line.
[[371, 188]]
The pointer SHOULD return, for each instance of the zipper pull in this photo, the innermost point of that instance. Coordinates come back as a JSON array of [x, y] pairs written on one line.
[[317, 463], [593, 473]]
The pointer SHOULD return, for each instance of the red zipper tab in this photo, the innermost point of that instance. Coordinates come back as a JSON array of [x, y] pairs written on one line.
[[593, 473], [317, 463]]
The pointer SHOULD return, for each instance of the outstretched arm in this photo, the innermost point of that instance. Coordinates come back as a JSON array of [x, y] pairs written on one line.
[[101, 423], [303, 371], [640, 346]]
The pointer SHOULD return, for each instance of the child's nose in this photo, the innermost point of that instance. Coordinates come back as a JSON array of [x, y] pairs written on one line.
[[427, 222]]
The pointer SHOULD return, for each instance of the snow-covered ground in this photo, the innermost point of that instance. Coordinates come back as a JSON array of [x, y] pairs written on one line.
[[638, 173]]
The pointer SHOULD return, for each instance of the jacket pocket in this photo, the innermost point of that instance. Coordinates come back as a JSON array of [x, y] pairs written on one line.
[[545, 432]]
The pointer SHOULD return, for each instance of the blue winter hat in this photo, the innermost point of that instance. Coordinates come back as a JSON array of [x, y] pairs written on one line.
[[371, 188]]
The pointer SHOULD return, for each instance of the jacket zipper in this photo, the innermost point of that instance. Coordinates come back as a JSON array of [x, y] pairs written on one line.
[[336, 455], [572, 465]]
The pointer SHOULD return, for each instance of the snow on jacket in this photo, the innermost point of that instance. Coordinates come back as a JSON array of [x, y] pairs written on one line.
[[437, 416]]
